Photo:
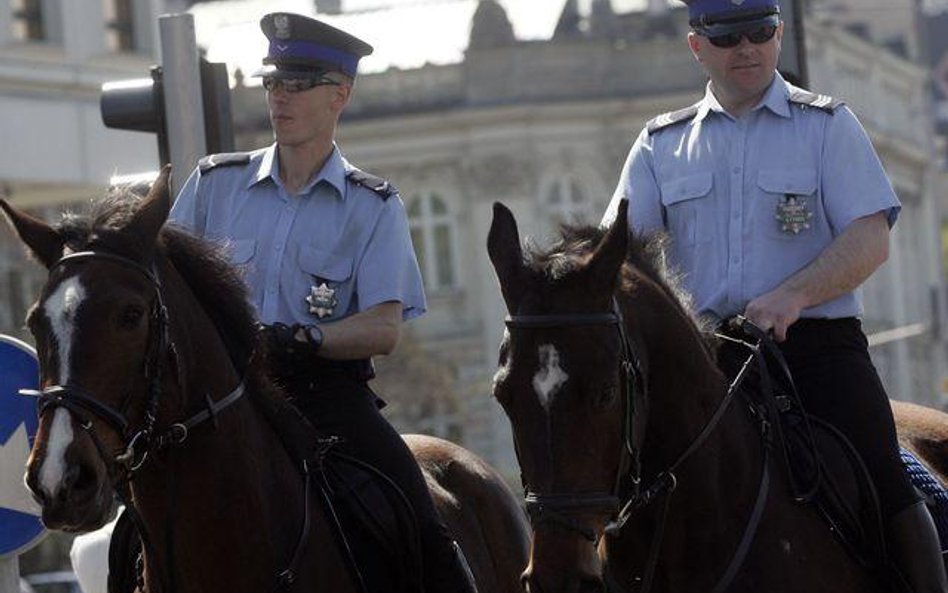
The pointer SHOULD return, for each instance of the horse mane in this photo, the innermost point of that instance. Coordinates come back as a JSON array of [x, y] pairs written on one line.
[[204, 266], [645, 253]]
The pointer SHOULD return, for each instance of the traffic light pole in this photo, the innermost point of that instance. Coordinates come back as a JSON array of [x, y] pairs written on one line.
[[793, 54], [183, 103]]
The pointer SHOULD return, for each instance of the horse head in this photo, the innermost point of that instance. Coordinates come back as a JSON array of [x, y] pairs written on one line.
[[566, 381], [103, 339]]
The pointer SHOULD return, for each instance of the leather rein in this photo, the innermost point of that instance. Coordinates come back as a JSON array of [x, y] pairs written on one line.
[[558, 508]]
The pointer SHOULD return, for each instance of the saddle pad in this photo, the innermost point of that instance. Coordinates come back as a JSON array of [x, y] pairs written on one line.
[[935, 494]]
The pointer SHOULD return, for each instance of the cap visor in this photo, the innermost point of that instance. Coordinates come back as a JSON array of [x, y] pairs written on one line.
[[725, 28], [286, 72]]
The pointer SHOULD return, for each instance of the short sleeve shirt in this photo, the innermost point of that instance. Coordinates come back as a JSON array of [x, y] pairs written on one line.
[[335, 249], [748, 202]]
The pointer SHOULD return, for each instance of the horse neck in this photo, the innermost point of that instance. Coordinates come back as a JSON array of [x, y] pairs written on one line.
[[684, 384], [229, 474], [684, 390]]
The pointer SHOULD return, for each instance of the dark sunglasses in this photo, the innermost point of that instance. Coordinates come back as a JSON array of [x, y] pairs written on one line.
[[296, 85], [761, 34]]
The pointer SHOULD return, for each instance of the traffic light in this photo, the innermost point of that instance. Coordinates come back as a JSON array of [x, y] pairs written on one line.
[[139, 105]]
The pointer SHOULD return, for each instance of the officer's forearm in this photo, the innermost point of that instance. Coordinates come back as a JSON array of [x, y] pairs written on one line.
[[363, 335], [843, 266]]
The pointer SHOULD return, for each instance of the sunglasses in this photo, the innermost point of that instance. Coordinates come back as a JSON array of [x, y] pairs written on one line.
[[296, 85], [761, 34]]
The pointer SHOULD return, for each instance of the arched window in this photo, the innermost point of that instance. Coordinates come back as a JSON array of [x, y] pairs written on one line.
[[566, 201], [432, 233]]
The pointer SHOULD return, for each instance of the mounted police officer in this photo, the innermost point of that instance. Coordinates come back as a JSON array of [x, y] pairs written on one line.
[[327, 255], [778, 209]]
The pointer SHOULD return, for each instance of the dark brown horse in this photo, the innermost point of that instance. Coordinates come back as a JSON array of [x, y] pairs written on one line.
[[147, 346], [616, 402]]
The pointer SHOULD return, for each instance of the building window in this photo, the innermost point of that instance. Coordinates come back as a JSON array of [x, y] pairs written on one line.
[[28, 20], [432, 233], [566, 202], [119, 25]]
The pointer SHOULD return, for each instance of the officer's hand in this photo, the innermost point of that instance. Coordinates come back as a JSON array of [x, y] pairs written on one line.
[[280, 339], [775, 311]]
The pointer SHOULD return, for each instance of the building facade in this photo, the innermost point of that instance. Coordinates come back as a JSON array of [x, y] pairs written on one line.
[[54, 57]]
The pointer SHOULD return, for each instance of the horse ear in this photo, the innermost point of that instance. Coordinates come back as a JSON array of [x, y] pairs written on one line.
[[154, 209], [503, 247], [611, 252], [43, 241]]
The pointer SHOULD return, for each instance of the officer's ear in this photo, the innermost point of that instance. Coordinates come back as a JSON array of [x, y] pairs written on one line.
[[695, 44], [343, 92]]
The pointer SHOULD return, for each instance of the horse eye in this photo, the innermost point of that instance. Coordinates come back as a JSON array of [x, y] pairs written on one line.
[[605, 397], [131, 316]]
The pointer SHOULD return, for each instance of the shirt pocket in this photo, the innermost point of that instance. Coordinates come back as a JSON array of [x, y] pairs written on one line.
[[326, 277], [688, 208], [241, 251], [787, 208]]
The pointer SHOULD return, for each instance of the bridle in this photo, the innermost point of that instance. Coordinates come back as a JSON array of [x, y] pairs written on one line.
[[559, 508], [137, 444]]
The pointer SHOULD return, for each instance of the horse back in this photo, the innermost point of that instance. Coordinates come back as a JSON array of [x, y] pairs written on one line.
[[479, 509], [924, 432]]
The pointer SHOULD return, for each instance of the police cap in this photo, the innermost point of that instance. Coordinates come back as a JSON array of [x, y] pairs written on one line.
[[711, 18], [302, 47]]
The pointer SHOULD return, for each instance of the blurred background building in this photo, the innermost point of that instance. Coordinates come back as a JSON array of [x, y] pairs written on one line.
[[481, 112]]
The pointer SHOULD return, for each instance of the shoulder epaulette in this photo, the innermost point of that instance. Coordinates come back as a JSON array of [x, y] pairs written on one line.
[[379, 185], [224, 159], [671, 118], [806, 98]]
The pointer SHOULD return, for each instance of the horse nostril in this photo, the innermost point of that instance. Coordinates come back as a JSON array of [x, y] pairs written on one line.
[[78, 478], [39, 495]]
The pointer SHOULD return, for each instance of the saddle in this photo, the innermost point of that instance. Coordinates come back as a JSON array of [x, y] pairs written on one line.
[[372, 522], [822, 466]]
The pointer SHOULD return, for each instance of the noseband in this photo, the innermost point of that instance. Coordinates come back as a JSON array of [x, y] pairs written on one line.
[[84, 406], [558, 508]]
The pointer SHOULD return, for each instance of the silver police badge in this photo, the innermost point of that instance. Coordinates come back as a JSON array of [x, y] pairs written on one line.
[[322, 300], [793, 216], [281, 23]]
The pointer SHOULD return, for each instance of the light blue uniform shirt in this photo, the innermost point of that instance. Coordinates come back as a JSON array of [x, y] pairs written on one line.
[[334, 232], [718, 186]]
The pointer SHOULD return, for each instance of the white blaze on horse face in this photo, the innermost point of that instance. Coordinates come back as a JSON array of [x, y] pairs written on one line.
[[60, 309], [549, 377]]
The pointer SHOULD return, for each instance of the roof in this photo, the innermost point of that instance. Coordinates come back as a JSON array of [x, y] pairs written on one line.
[[405, 33]]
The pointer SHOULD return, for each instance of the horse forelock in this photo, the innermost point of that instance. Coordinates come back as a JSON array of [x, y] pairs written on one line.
[[645, 256], [100, 226]]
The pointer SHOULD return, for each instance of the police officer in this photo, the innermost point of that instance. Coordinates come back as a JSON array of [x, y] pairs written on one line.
[[778, 209], [327, 256]]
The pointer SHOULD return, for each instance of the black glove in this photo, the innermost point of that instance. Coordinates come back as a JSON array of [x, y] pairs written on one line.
[[286, 354]]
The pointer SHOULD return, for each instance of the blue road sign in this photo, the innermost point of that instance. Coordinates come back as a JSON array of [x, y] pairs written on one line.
[[20, 525]]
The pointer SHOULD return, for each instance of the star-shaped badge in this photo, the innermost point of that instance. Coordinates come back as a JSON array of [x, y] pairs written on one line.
[[322, 300]]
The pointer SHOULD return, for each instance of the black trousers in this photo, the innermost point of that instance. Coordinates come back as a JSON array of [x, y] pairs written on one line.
[[339, 404], [837, 382]]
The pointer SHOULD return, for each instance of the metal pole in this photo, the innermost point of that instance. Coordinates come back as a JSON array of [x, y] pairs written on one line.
[[10, 574], [793, 55], [184, 109]]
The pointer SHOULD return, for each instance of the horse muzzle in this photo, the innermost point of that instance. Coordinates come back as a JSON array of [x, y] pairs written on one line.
[[73, 491], [534, 582]]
